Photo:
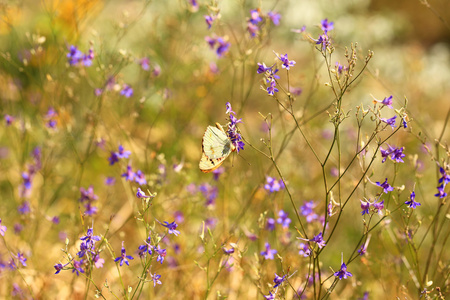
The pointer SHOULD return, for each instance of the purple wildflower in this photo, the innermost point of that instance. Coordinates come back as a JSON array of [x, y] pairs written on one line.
[[139, 178], [262, 68], [172, 227], [9, 120], [77, 267], [123, 257], [223, 47], [283, 219], [141, 195], [270, 225], [123, 153], [161, 254], [278, 280], [155, 278], [304, 251], [326, 26], [145, 63], [74, 55], [126, 91], [269, 253], [24, 208], [365, 207], [270, 296], [129, 174], [390, 122], [228, 251], [275, 17], [387, 101], [323, 40], [343, 273], [318, 239], [412, 203], [271, 89], [286, 62], [441, 193], [145, 248], [307, 210], [209, 20], [385, 185], [59, 267], [273, 185]]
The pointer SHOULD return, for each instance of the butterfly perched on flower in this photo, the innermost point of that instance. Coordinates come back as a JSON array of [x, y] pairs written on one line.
[[216, 147]]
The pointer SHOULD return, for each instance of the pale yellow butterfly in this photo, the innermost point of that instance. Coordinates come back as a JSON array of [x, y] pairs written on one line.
[[216, 146]]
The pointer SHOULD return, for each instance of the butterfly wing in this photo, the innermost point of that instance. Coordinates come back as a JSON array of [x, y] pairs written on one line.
[[216, 143], [207, 164]]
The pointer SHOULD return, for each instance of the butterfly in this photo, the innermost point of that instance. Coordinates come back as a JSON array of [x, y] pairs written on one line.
[[216, 146]]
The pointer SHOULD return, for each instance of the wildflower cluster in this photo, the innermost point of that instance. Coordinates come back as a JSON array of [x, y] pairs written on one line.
[[366, 205], [89, 256], [87, 199], [394, 153], [443, 180], [273, 185], [76, 57], [232, 130], [324, 40], [256, 21], [219, 44], [270, 73]]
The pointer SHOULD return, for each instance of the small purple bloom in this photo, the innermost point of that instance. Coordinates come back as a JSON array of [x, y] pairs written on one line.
[[255, 17], [275, 17], [272, 88], [21, 259], [270, 225], [223, 47], [270, 296], [140, 194], [286, 62], [24, 208], [98, 262], [139, 178], [385, 185], [228, 251], [445, 178], [211, 41], [390, 122], [209, 20], [126, 91], [161, 254], [283, 219], [387, 101], [278, 280], [123, 257], [74, 55], [172, 227], [318, 239], [9, 120], [343, 273], [323, 40], [145, 248], [113, 158], [123, 153], [155, 278], [441, 193], [77, 266], [269, 253], [262, 68], [365, 207], [145, 63], [326, 26], [58, 268], [304, 250], [110, 181], [378, 206], [412, 203], [129, 174], [273, 185]]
